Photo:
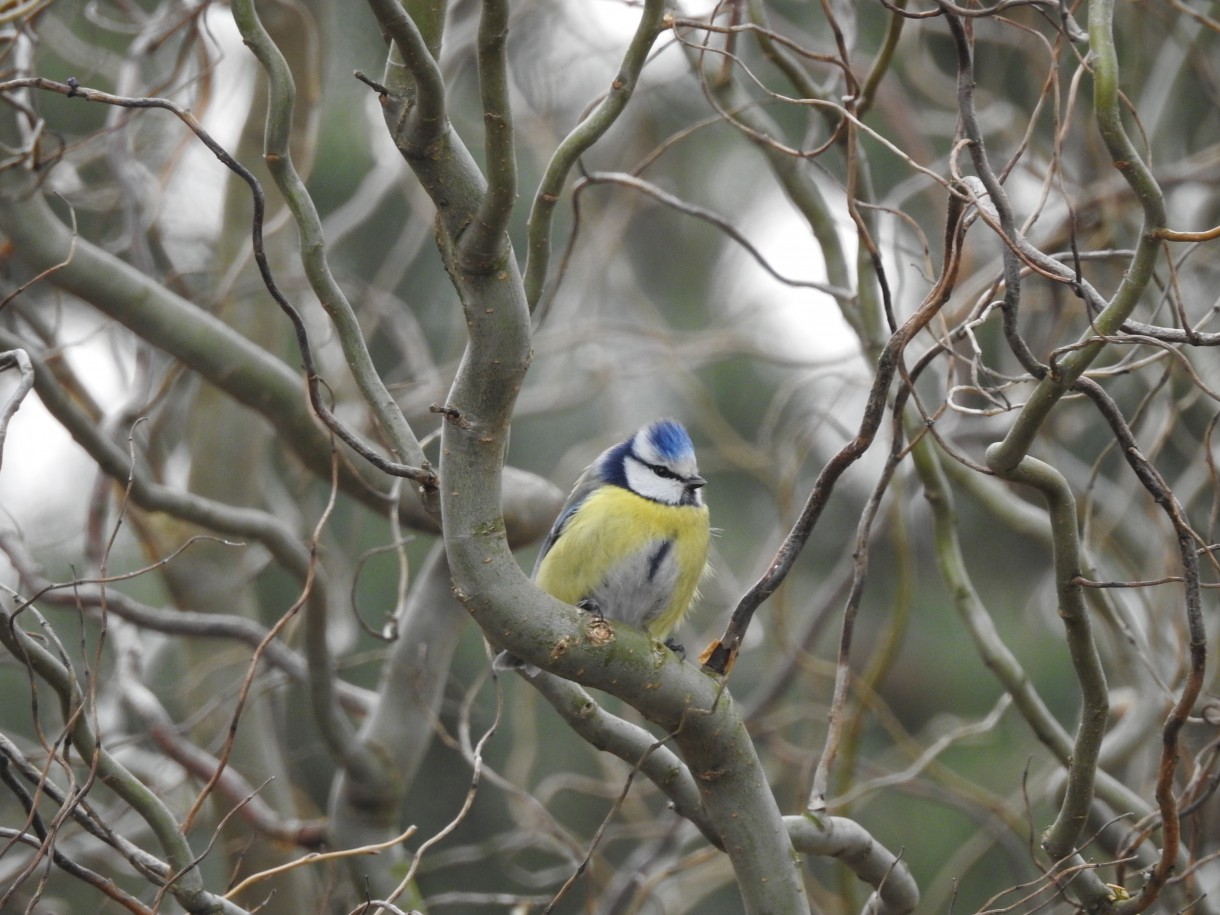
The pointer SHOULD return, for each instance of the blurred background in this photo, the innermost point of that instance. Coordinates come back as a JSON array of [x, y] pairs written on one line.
[[738, 299]]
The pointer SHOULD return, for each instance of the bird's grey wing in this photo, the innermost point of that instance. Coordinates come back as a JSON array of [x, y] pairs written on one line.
[[588, 481]]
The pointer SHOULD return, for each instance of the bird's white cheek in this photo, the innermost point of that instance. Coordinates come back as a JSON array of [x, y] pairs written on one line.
[[646, 483]]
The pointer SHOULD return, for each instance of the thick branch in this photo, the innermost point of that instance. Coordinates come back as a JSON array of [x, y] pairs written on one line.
[[1061, 838], [894, 889], [481, 247], [413, 76]]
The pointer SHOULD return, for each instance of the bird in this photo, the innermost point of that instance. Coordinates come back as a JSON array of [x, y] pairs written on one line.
[[631, 541]]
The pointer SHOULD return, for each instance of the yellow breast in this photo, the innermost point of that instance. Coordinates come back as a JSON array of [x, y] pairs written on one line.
[[612, 534]]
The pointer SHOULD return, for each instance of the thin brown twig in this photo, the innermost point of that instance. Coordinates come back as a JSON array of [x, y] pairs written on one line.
[[321, 857]]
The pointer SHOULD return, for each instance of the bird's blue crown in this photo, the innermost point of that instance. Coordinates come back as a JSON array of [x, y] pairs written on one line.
[[664, 441], [669, 439]]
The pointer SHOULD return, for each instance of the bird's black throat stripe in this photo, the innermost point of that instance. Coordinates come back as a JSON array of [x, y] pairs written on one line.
[[658, 557]]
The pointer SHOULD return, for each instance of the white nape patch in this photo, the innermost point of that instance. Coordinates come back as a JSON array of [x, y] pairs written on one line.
[[643, 445], [646, 482]]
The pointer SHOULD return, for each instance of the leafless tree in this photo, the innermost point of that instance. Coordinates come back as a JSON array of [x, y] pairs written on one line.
[[932, 286]]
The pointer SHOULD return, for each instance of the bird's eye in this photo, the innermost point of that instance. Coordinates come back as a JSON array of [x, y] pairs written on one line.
[[663, 472]]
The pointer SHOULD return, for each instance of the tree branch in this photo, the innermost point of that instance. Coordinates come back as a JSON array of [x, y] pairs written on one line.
[[20, 360], [186, 882], [582, 137], [481, 247], [278, 155]]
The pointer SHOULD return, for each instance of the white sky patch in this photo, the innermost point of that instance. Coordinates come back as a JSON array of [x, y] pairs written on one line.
[[37, 453], [194, 202], [795, 322], [610, 25], [619, 18], [46, 475]]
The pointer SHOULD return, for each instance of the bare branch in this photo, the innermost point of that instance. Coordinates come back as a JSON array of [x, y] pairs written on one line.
[[580, 139]]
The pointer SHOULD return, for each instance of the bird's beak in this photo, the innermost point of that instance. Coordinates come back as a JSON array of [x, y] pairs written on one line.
[[695, 482]]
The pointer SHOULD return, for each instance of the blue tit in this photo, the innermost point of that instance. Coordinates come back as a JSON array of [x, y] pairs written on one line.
[[631, 541]]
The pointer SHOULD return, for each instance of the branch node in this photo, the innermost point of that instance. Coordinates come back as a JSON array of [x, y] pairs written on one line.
[[371, 83], [452, 414]]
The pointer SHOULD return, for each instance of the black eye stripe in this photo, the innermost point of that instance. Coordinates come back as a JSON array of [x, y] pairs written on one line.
[[662, 471]]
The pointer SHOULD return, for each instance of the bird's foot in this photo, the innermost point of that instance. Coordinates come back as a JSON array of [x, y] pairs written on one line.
[[590, 605], [677, 648]]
